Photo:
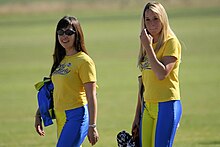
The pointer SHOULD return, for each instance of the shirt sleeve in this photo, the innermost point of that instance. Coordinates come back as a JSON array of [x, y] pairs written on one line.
[[172, 48], [87, 72]]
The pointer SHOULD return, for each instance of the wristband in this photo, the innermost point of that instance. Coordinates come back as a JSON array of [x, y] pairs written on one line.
[[92, 126]]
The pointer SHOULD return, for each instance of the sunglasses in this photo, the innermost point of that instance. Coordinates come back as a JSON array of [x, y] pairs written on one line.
[[68, 32]]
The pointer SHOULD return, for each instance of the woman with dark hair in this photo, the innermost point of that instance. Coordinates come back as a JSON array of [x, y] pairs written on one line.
[[159, 60], [73, 75]]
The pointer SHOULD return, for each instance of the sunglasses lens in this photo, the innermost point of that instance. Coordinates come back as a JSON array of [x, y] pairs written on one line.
[[60, 32], [69, 32]]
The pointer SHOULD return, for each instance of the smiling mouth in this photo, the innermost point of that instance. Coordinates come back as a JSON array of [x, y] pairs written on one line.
[[65, 41]]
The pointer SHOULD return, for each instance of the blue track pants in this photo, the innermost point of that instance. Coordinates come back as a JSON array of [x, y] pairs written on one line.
[[159, 124], [75, 128]]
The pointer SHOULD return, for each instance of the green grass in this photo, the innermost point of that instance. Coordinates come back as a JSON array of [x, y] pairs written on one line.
[[112, 39]]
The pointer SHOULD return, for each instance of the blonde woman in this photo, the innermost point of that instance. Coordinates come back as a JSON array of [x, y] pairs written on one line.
[[159, 60]]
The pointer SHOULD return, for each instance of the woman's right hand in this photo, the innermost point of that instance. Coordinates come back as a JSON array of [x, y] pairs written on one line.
[[135, 128], [146, 39], [38, 125]]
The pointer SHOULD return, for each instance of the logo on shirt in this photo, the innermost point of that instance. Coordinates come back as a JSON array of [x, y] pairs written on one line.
[[62, 69], [145, 64]]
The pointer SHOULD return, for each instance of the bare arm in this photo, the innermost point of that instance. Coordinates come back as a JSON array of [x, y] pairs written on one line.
[[161, 68], [136, 122], [137, 112], [138, 107], [90, 89]]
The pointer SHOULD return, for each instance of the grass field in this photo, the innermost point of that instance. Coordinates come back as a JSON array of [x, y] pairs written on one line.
[[112, 38]]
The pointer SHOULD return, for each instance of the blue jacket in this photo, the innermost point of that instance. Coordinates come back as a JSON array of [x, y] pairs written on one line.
[[45, 100]]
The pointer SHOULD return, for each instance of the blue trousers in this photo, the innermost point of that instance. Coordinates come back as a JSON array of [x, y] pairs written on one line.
[[75, 128], [159, 124]]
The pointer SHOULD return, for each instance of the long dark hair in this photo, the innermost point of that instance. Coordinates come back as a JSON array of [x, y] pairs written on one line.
[[59, 50]]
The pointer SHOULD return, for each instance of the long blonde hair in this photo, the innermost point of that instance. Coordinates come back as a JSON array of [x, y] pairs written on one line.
[[165, 32]]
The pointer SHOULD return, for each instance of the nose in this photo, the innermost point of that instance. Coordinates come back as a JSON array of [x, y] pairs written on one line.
[[64, 35], [152, 23]]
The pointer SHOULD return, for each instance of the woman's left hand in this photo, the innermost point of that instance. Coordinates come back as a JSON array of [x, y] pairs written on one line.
[[38, 125], [146, 39], [93, 135]]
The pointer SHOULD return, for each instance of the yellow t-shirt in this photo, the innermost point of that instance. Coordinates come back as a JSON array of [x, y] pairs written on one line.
[[68, 80], [167, 89]]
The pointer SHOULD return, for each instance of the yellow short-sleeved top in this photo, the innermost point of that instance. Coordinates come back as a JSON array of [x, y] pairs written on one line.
[[68, 80], [167, 89]]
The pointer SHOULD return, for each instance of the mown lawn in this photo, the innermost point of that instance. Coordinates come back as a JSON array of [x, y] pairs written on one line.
[[112, 38]]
